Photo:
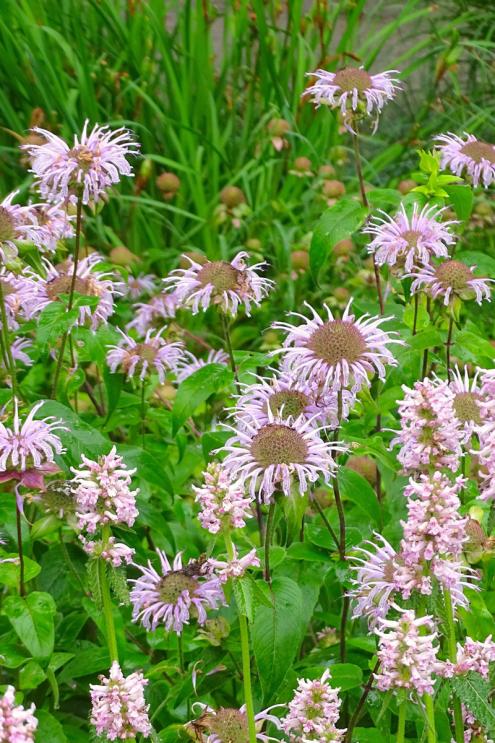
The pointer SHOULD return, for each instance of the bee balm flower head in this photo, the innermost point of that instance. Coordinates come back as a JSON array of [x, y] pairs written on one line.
[[451, 279], [468, 154], [119, 710]]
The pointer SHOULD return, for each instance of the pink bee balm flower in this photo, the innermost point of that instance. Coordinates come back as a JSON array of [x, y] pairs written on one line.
[[353, 89], [118, 707], [19, 292], [17, 724], [94, 163], [138, 285], [228, 725], [221, 283], [407, 653], [175, 595], [455, 576], [286, 396], [89, 283], [486, 456], [270, 456], [430, 434], [54, 225], [374, 585], [112, 551], [28, 449], [474, 156], [451, 279], [17, 223], [152, 355], [474, 655], [222, 501], [191, 364], [152, 314], [313, 712], [402, 241], [336, 353], [234, 567], [102, 493], [18, 350]]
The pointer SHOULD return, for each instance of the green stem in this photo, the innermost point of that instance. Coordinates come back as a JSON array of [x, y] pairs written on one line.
[[22, 589], [326, 522], [401, 725], [452, 647], [228, 344], [143, 412], [6, 349], [431, 734], [77, 245], [246, 658], [180, 648], [107, 602], [268, 539], [448, 344]]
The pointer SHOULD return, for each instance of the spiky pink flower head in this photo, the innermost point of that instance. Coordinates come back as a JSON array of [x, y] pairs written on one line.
[[313, 712], [474, 731], [230, 725], [352, 89], [18, 349], [430, 434], [17, 724], [402, 241], [190, 363], [286, 395], [89, 283], [455, 576], [487, 394], [152, 314], [111, 551], [222, 500], [101, 489], [374, 584], [139, 285], [174, 595], [17, 223], [235, 566], [434, 526], [336, 353], [451, 279], [277, 455], [118, 707], [407, 653], [19, 292], [151, 356], [94, 163], [54, 224], [221, 283], [474, 655], [28, 449], [486, 458], [473, 155], [467, 401]]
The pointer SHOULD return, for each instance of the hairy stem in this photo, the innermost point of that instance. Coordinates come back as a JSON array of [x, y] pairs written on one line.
[[18, 515], [401, 725], [268, 539], [431, 734], [228, 344], [448, 344], [107, 602], [452, 648]]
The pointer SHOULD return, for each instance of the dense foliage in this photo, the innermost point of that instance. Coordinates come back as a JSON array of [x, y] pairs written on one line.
[[247, 435]]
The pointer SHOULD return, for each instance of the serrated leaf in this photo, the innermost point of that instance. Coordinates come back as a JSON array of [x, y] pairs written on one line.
[[32, 618], [475, 693], [118, 584], [335, 224], [196, 389], [249, 595]]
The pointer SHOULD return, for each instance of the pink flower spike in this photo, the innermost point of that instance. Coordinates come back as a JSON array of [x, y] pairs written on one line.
[[223, 501], [119, 710], [314, 712], [17, 724]]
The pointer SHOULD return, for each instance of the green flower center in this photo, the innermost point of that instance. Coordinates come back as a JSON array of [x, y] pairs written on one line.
[[454, 274], [291, 402], [229, 725], [83, 156], [222, 275], [411, 237], [352, 78], [146, 351], [7, 231], [62, 284], [338, 340], [466, 407], [174, 584], [479, 151], [278, 444]]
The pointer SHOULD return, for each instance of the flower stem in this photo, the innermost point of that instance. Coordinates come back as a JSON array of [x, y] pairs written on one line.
[[107, 602], [326, 522], [180, 650], [228, 344], [452, 648], [448, 344], [246, 658], [143, 412], [358, 710], [416, 307], [77, 245], [401, 725], [336, 488], [22, 589], [6, 349], [268, 539], [364, 199], [431, 735]]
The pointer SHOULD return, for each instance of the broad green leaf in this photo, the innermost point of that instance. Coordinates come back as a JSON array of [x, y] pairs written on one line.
[[148, 467], [88, 661], [49, 728], [213, 440], [31, 675], [196, 389], [249, 594], [387, 199], [336, 223], [32, 618], [306, 551], [357, 489], [461, 198], [475, 693], [80, 437], [485, 264], [10, 571], [277, 634], [345, 676]]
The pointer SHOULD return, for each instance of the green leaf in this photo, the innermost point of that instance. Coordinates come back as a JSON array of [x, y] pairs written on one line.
[[53, 322], [249, 594], [357, 489], [49, 728], [31, 675], [80, 437], [346, 676], [461, 198], [384, 198], [32, 619], [89, 660], [485, 264], [10, 571], [475, 693], [148, 467], [196, 389], [277, 634], [335, 224]]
